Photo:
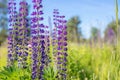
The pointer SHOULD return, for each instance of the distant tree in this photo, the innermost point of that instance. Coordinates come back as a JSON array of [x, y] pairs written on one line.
[[3, 13], [95, 34], [73, 29], [3, 20], [94, 31]]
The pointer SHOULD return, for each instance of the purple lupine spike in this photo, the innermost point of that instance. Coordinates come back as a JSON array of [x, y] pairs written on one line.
[[44, 49], [11, 41], [54, 33], [110, 36], [38, 41], [56, 47], [65, 49], [23, 34], [61, 53], [47, 45], [110, 32], [42, 60], [54, 38]]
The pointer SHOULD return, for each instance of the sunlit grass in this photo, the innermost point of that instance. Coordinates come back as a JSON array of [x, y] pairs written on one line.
[[87, 62], [93, 63], [3, 56]]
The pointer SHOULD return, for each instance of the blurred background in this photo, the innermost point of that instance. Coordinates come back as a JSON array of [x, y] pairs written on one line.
[[87, 20]]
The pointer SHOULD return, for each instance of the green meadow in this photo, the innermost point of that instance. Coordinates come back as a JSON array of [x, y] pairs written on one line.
[[85, 62]]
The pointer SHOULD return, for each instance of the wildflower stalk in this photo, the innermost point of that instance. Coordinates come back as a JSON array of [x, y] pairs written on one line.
[[23, 35], [54, 39], [47, 45], [11, 40], [38, 41], [61, 53]]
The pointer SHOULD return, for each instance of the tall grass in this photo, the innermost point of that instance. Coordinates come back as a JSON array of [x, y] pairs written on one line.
[[3, 56], [86, 63], [93, 63]]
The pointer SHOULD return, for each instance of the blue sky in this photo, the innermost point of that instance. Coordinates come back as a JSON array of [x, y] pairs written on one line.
[[96, 13]]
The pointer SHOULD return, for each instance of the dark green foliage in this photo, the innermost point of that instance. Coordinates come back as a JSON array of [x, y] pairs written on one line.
[[50, 73], [15, 73], [95, 34]]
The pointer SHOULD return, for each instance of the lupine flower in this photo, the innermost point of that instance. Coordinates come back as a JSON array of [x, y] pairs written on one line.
[[54, 33], [61, 52], [38, 41], [11, 41], [47, 45], [110, 36], [23, 35]]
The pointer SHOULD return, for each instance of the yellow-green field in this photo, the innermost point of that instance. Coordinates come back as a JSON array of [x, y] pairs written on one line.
[[87, 62], [3, 56]]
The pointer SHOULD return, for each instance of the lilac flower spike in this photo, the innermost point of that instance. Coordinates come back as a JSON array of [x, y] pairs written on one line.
[[23, 36], [38, 41], [11, 41], [61, 52]]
